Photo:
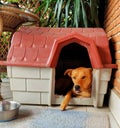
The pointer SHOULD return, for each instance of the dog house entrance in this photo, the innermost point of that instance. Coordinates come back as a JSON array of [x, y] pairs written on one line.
[[71, 56]]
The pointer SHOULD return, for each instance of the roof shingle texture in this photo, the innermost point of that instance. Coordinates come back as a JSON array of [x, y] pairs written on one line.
[[41, 46]]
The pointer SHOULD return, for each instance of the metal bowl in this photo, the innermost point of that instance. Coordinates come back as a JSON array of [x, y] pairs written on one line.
[[8, 110]]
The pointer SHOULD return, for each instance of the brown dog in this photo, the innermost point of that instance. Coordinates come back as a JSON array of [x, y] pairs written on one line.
[[82, 79]]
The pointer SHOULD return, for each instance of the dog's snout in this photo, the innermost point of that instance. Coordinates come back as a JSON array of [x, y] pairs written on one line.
[[77, 87]]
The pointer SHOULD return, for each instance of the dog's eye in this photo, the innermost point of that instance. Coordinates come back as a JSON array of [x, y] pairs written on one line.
[[83, 77]]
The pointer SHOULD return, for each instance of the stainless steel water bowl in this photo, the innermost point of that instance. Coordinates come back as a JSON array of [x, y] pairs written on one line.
[[8, 110]]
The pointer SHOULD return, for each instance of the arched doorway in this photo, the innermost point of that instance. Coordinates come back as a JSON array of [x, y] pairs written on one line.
[[72, 55]]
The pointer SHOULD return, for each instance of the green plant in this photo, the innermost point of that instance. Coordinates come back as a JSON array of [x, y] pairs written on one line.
[[3, 75], [69, 13]]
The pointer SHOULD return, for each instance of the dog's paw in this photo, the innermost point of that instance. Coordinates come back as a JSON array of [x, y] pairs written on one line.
[[62, 107]]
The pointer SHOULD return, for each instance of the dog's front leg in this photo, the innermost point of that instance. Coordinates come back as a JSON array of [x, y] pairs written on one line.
[[66, 100]]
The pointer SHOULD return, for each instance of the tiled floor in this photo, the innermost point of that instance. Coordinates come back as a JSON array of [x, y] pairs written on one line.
[[105, 110], [113, 124]]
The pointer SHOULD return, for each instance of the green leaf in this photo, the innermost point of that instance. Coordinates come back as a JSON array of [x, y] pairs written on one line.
[[59, 10], [94, 11], [66, 12], [84, 14]]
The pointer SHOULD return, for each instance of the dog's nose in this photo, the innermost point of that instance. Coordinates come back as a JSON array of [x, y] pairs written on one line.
[[77, 87]]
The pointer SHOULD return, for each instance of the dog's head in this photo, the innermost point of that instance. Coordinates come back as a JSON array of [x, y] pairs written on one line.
[[82, 79]]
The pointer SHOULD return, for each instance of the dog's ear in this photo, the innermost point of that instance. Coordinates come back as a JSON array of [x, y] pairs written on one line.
[[68, 72]]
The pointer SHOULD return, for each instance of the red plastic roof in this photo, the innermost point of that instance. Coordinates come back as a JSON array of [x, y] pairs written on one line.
[[40, 46]]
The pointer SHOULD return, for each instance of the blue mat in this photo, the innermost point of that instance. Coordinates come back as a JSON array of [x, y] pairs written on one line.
[[39, 117], [51, 118]]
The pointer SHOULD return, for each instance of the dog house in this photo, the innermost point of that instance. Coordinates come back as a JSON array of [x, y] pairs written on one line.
[[38, 55]]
